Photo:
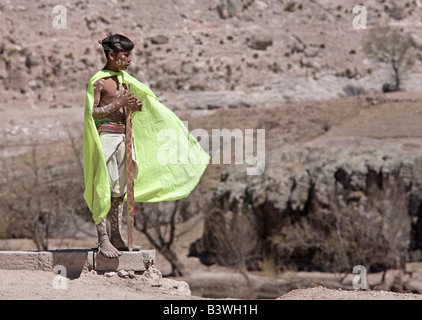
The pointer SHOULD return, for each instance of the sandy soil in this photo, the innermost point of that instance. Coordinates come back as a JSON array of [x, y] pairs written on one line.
[[321, 293], [43, 285]]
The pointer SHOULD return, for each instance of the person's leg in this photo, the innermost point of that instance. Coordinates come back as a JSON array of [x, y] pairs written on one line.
[[111, 144], [115, 152], [104, 245], [117, 204], [116, 214]]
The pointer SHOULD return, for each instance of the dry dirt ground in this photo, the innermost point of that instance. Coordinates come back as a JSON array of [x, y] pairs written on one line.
[[35, 285], [39, 285], [321, 293]]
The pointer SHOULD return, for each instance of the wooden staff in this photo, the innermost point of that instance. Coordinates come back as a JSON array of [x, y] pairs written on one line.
[[130, 178]]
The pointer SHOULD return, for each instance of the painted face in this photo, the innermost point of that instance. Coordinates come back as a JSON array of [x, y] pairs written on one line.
[[123, 59]]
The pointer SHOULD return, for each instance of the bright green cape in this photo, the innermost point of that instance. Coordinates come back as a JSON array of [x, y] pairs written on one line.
[[161, 142]]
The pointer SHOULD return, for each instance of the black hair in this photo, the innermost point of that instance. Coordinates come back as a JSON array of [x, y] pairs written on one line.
[[116, 43]]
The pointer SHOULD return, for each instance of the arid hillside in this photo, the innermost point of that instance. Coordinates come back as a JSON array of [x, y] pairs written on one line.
[[201, 54]]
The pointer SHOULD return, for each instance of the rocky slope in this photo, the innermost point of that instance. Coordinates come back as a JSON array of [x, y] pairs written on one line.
[[201, 54]]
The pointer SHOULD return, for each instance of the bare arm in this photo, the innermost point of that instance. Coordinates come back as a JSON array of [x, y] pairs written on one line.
[[102, 112], [123, 99]]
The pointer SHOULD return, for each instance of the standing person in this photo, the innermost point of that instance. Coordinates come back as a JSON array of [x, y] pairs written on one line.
[[111, 93]]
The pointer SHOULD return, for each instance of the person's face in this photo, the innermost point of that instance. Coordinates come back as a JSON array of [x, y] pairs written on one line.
[[121, 59]]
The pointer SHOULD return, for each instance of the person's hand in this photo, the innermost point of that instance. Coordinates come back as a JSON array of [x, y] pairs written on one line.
[[134, 105], [126, 98], [139, 105]]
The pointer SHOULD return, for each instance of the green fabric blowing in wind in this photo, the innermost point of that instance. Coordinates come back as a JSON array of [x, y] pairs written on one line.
[[170, 160]]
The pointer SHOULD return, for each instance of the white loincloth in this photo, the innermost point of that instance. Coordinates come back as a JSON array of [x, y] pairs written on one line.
[[115, 155]]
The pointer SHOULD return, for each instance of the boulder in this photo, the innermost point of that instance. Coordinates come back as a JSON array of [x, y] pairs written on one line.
[[398, 12], [260, 41], [32, 61], [159, 39], [229, 8]]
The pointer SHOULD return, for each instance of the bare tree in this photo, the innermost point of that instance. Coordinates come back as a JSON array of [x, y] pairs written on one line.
[[24, 200], [159, 222], [233, 239], [391, 46], [37, 194]]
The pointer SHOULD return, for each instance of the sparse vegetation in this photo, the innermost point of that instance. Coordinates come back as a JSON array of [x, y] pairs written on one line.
[[233, 239], [392, 47], [39, 194]]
